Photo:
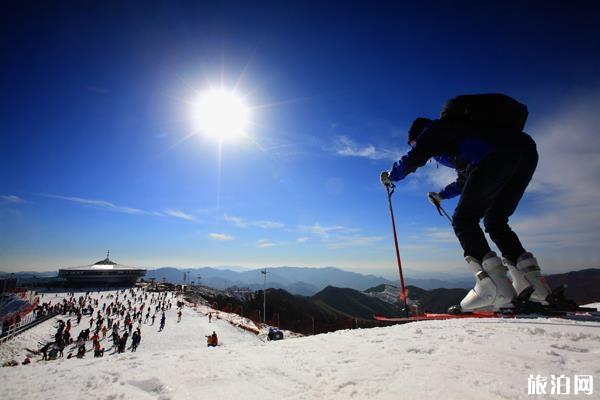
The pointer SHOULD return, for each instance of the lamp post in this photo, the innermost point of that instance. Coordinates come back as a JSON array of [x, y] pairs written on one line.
[[264, 272]]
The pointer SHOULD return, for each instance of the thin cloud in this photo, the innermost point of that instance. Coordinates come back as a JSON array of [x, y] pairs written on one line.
[[337, 236], [346, 147], [244, 223], [11, 199], [263, 243], [268, 224], [107, 205], [439, 235], [352, 241], [239, 222], [220, 236], [104, 204], [325, 231], [180, 214]]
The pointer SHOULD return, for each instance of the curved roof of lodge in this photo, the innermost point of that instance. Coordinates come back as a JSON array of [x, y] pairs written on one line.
[[105, 264]]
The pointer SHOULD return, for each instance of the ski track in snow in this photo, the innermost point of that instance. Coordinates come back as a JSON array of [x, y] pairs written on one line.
[[453, 359]]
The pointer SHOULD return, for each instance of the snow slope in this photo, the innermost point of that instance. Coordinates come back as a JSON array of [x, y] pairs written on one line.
[[454, 359]]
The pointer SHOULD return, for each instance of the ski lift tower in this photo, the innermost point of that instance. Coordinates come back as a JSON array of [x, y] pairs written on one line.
[[264, 272]]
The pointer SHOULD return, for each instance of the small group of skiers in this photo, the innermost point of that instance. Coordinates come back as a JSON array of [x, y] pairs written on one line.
[[212, 340], [482, 138]]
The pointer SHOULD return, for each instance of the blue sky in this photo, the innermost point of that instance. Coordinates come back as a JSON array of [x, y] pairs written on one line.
[[95, 151]]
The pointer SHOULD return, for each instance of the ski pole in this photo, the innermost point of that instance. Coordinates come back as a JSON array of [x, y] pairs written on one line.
[[439, 208], [390, 190]]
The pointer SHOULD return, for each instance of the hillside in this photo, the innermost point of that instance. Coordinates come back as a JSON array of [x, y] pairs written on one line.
[[459, 359], [352, 303], [582, 286], [331, 309]]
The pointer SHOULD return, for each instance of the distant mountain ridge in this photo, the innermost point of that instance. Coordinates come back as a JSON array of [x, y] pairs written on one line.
[[330, 306], [582, 286], [296, 280]]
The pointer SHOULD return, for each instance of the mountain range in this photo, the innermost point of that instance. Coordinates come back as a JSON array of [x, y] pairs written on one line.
[[583, 286], [296, 280], [334, 304]]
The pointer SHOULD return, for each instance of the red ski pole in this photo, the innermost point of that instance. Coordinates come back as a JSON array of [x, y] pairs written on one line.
[[390, 190]]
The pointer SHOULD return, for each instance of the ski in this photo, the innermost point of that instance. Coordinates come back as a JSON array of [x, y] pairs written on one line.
[[431, 316], [593, 316]]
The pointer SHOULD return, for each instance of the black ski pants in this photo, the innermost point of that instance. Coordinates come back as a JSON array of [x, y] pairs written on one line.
[[492, 191]]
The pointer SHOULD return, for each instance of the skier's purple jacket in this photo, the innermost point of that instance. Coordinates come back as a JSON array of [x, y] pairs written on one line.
[[452, 144]]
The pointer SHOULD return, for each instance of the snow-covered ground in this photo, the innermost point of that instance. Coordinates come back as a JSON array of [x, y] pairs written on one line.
[[454, 359]]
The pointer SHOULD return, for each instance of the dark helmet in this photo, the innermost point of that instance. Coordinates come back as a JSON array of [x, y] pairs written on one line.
[[417, 127]]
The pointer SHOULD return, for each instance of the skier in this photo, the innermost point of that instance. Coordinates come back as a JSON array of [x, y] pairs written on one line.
[[98, 350], [495, 161], [179, 316], [61, 347], [122, 343], [135, 340], [162, 322], [44, 351], [81, 351]]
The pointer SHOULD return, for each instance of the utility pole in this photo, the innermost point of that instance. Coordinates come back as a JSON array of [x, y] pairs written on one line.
[[264, 272]]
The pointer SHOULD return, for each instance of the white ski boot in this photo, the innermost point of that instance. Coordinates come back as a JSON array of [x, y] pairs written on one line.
[[527, 273], [492, 291]]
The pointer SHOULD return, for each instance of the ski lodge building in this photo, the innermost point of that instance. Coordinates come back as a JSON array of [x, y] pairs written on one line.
[[102, 273]]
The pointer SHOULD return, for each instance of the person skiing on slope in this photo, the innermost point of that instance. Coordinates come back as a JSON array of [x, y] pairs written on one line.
[[492, 177], [162, 322]]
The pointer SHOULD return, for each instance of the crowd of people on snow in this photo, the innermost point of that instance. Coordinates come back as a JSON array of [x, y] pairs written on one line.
[[114, 313], [112, 319]]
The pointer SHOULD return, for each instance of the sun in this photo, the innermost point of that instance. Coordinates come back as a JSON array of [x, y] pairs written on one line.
[[221, 114]]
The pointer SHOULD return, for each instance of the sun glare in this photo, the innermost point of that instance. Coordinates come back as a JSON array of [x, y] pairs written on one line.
[[221, 114]]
